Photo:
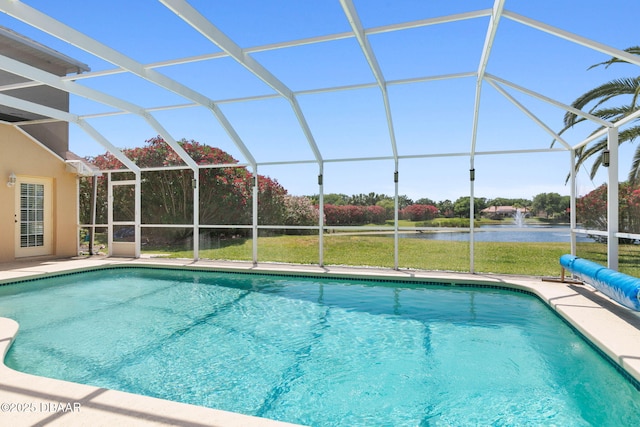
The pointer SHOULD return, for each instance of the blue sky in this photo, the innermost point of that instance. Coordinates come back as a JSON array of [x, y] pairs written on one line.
[[433, 118]]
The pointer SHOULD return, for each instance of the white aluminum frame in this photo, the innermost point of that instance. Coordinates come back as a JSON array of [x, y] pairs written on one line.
[[243, 56]]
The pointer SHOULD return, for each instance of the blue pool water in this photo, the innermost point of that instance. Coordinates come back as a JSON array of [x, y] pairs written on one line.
[[318, 352]]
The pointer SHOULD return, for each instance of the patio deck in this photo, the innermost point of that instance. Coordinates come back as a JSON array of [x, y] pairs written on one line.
[[27, 400]]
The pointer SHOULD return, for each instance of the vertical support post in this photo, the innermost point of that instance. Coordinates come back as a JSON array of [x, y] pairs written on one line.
[[196, 214], [572, 203], [109, 214], [138, 214], [321, 217], [255, 217], [78, 229], [396, 204], [472, 213], [94, 207], [612, 199]]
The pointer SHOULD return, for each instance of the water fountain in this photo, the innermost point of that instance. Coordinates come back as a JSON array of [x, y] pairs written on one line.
[[518, 218]]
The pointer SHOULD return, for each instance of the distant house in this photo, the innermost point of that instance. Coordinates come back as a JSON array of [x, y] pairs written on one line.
[[499, 212], [38, 188]]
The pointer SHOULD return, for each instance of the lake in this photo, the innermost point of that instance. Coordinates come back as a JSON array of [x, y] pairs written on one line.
[[505, 233]]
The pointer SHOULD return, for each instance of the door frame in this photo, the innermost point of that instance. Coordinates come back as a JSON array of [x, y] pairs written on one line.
[[119, 248], [47, 219]]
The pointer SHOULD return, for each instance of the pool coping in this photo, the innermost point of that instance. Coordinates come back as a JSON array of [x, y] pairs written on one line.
[[32, 400]]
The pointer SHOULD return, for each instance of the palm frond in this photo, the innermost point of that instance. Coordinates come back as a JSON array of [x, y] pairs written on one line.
[[635, 50], [595, 98], [584, 154], [613, 114], [629, 134], [595, 166], [634, 172], [603, 93]]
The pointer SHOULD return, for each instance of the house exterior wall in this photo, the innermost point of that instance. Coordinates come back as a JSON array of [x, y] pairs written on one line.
[[27, 159]]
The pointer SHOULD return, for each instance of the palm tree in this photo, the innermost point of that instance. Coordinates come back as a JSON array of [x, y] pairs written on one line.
[[598, 96]]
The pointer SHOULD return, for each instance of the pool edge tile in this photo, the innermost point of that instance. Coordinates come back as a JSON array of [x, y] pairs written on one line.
[[590, 313]]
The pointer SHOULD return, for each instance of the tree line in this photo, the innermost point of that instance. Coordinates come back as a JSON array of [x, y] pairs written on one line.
[[548, 205]]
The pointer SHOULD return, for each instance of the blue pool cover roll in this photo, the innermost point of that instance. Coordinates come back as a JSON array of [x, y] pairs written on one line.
[[620, 287]]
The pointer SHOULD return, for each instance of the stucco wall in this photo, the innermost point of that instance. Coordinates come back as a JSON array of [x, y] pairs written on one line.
[[24, 157]]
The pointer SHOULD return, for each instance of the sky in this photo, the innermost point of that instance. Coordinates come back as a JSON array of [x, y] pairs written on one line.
[[432, 120]]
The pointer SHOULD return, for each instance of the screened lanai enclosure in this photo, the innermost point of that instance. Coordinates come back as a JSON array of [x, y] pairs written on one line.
[[228, 130]]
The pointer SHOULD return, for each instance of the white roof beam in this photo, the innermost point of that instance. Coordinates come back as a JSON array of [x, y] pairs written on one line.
[[57, 29], [36, 74], [431, 78], [44, 77], [19, 86], [39, 109], [417, 156], [217, 55], [429, 21], [358, 30], [484, 153], [201, 24], [191, 16], [496, 12], [91, 131], [54, 113], [297, 93], [549, 100], [33, 122], [421, 156], [437, 155], [591, 44], [356, 26], [294, 43], [529, 114]]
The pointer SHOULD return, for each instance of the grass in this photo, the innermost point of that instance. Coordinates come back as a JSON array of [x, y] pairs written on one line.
[[538, 259]]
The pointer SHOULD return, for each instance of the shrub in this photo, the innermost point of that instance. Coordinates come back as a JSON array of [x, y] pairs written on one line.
[[419, 212], [300, 211], [353, 215]]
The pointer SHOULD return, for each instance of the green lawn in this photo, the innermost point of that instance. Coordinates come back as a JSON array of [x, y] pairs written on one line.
[[540, 259]]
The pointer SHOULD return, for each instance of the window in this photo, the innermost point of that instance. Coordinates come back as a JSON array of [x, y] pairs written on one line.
[[31, 215]]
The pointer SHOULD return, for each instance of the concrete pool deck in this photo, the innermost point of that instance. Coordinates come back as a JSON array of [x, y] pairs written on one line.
[[28, 400]]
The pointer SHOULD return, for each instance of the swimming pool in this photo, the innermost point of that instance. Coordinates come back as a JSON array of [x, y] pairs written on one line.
[[319, 352]]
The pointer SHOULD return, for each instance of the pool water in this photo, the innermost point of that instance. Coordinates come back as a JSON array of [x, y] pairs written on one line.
[[317, 352]]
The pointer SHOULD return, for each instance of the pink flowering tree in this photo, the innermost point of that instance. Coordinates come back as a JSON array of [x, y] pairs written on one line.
[[419, 212], [299, 210], [167, 195], [354, 215], [591, 209]]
